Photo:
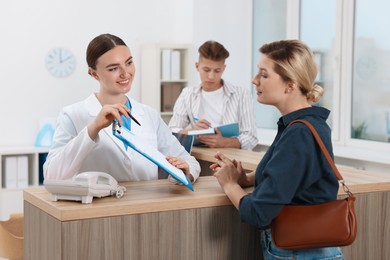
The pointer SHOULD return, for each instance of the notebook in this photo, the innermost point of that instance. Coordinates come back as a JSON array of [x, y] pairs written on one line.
[[228, 130]]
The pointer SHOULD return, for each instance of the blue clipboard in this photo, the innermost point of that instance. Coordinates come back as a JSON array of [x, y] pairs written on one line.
[[150, 153]]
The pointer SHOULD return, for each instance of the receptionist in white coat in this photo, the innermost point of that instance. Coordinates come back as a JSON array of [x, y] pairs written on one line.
[[83, 139]]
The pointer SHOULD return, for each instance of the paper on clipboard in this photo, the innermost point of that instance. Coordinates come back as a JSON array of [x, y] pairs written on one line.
[[151, 153]]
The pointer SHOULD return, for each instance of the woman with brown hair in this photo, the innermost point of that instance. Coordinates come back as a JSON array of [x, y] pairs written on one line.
[[83, 139]]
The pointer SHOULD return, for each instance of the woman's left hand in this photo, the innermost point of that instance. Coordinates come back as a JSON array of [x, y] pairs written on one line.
[[228, 174], [180, 164], [226, 170]]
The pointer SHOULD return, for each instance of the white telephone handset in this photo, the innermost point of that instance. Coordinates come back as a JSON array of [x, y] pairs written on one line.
[[84, 186]]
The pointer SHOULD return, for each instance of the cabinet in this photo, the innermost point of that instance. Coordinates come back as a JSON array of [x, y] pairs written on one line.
[[20, 167], [165, 70]]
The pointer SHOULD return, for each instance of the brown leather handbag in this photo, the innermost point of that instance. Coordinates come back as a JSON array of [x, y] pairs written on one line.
[[299, 227]]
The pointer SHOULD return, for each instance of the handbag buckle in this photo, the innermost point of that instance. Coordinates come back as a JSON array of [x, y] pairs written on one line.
[[346, 189]]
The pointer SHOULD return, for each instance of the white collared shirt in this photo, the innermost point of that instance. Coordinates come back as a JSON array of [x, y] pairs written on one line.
[[237, 107], [211, 101]]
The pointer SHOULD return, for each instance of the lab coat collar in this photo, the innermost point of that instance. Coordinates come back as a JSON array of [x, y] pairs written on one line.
[[93, 105]]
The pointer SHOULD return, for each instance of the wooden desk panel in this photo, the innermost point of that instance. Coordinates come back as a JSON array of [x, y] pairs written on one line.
[[135, 227]]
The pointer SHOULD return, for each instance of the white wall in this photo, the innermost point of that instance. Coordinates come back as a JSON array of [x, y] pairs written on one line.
[[230, 23], [29, 29]]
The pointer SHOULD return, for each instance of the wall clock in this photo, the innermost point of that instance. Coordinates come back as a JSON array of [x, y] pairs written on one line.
[[60, 62]]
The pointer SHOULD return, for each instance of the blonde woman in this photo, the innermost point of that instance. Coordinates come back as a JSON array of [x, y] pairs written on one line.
[[293, 170]]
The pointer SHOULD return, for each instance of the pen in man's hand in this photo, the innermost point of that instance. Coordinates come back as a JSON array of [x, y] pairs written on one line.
[[135, 120], [197, 119]]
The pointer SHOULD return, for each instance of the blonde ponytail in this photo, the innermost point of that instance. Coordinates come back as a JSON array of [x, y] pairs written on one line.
[[315, 93]]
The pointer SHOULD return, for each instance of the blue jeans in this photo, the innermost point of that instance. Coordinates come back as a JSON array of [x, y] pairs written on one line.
[[270, 251]]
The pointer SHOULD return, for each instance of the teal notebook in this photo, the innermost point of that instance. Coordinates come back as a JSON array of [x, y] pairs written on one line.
[[150, 153], [228, 130]]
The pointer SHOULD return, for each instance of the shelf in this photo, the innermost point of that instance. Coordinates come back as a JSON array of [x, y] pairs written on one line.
[[25, 167], [22, 150], [174, 81], [158, 72], [166, 113]]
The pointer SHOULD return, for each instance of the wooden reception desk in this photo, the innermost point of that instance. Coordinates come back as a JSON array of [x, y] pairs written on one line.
[[153, 220], [372, 190], [159, 220]]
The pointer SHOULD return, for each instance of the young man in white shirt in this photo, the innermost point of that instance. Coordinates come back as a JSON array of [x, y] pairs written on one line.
[[215, 102]]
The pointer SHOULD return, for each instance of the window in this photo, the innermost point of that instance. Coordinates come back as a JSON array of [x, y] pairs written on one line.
[[371, 67], [352, 47], [320, 35], [269, 24]]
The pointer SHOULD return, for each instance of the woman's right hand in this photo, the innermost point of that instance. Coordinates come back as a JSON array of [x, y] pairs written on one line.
[[104, 118], [245, 179]]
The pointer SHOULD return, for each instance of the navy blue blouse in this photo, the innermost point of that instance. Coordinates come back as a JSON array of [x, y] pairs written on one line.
[[293, 170]]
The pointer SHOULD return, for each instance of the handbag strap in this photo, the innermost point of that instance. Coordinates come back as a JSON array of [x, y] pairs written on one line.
[[324, 151]]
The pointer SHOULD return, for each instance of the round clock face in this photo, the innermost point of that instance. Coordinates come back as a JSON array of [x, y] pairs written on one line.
[[60, 62]]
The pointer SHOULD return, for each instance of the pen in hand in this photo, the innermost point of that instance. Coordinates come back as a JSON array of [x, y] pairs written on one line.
[[135, 120], [197, 119]]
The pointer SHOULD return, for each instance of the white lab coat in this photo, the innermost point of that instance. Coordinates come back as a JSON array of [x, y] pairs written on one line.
[[73, 151]]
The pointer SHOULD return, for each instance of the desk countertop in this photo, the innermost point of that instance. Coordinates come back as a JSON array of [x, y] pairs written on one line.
[[357, 180], [160, 195], [140, 197], [249, 159]]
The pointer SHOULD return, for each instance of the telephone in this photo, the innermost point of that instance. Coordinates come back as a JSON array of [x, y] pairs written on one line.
[[84, 186]]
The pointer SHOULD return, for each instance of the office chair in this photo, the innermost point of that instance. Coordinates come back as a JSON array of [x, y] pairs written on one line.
[[11, 237], [186, 141]]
